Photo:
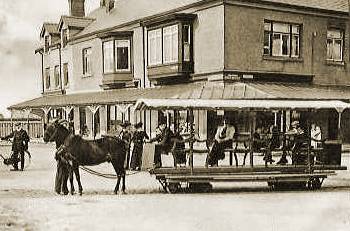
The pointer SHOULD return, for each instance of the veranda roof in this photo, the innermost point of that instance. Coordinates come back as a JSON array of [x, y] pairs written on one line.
[[210, 104], [331, 96]]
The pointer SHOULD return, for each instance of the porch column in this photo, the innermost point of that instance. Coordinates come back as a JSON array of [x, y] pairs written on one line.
[[287, 120], [153, 122], [76, 120], [202, 124], [103, 120], [46, 111], [90, 119], [67, 110]]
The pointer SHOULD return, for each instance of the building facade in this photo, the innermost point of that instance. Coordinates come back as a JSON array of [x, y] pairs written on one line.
[[95, 66]]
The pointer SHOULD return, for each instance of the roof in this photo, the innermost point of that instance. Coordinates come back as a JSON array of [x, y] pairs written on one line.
[[72, 21], [51, 28], [195, 91], [333, 5], [210, 104], [127, 11]]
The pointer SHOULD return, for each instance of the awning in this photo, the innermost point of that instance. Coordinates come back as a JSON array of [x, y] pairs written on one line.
[[212, 104]]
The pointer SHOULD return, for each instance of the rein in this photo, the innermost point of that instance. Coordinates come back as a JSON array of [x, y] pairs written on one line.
[[93, 172]]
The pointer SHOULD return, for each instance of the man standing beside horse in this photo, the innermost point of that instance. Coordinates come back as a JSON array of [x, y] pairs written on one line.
[[19, 145]]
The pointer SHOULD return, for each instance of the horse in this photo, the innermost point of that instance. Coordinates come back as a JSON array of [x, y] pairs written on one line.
[[89, 152]]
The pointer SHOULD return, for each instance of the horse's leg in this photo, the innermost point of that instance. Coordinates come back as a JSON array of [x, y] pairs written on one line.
[[123, 186], [72, 190], [65, 175], [117, 170], [77, 176]]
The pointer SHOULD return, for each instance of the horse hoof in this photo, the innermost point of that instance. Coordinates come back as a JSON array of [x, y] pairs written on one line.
[[80, 193], [115, 192]]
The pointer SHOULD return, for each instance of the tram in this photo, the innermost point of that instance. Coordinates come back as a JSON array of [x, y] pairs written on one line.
[[318, 162]]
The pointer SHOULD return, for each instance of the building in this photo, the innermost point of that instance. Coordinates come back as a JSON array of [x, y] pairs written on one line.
[[95, 66]]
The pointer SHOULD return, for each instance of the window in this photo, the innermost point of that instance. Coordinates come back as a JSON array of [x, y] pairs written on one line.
[[335, 41], [170, 44], [108, 57], [281, 39], [163, 45], [47, 78], [65, 74], [64, 37], [155, 47], [87, 61], [47, 43], [187, 42], [57, 76], [122, 54], [116, 56]]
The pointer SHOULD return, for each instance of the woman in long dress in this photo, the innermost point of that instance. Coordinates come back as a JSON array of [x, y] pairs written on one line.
[[138, 139]]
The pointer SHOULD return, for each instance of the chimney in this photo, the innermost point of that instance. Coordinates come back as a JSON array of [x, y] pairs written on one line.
[[77, 8]]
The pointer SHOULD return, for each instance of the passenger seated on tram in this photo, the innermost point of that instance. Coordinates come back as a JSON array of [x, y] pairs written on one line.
[[258, 142], [223, 139], [299, 139], [316, 136], [164, 143], [178, 149]]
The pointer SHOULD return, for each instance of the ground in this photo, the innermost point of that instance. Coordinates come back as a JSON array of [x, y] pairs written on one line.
[[28, 202]]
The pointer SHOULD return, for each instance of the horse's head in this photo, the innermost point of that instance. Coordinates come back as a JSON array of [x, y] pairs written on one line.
[[55, 131]]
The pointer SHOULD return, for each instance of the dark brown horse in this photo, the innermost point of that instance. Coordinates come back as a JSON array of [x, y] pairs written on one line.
[[88, 152]]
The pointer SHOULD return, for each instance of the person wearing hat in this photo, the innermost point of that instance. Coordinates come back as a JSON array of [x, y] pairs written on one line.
[[164, 143], [138, 138], [19, 145], [223, 139], [126, 136], [298, 135]]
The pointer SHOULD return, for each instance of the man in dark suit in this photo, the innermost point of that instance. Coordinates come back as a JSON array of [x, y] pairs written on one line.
[[19, 145], [164, 143]]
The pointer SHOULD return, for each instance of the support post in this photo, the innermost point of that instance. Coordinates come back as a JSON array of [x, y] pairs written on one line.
[[93, 109], [191, 139]]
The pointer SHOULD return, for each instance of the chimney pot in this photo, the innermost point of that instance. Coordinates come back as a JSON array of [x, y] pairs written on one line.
[[77, 8]]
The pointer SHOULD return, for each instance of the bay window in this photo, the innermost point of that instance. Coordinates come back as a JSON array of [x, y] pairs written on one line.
[[116, 55], [65, 74], [335, 41], [281, 39], [163, 45]]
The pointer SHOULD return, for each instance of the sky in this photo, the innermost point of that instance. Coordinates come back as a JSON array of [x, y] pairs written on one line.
[[20, 25]]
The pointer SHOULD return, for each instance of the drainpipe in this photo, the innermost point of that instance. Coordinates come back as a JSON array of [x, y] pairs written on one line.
[[42, 70], [144, 56]]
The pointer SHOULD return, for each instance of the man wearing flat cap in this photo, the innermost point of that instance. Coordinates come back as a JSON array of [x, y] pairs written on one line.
[[19, 145]]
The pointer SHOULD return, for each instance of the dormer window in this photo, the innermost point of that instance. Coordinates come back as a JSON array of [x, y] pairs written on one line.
[[335, 41], [47, 43], [64, 37]]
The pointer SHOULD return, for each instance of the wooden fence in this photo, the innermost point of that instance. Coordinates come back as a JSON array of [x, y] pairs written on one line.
[[33, 127]]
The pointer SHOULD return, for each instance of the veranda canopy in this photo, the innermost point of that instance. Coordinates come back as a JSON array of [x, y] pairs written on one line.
[[212, 104]]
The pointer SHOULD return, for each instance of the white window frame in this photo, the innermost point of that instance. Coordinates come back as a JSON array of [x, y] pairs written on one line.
[[330, 36], [276, 32], [47, 78], [170, 44], [155, 47], [65, 68], [110, 68], [118, 43]]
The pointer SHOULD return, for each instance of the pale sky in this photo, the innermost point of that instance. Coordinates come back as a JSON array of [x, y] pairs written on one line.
[[20, 24]]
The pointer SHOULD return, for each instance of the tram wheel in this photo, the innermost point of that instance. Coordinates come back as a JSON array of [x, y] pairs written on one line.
[[173, 187], [314, 183], [200, 187]]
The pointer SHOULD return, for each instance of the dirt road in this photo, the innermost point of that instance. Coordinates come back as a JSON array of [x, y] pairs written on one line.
[[27, 202]]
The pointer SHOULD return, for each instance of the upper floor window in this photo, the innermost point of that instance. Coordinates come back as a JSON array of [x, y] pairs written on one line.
[[335, 41], [47, 78], [87, 65], [116, 56], [281, 39], [64, 37], [186, 34], [163, 45], [47, 43], [65, 74], [57, 76]]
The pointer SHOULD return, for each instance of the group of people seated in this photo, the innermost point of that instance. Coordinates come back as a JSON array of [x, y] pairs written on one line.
[[264, 141]]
